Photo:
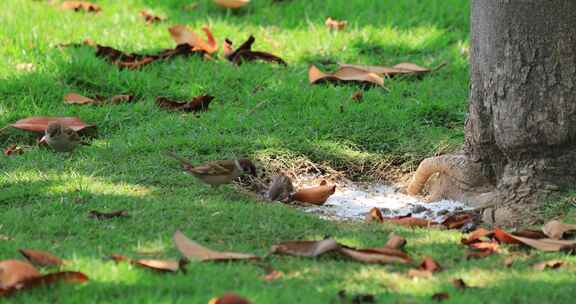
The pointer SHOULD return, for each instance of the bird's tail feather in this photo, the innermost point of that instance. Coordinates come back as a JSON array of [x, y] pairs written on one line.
[[179, 158]]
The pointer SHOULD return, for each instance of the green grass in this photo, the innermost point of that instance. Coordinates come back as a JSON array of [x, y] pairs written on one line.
[[45, 197]]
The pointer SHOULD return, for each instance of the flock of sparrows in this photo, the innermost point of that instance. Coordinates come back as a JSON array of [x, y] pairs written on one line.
[[215, 173]]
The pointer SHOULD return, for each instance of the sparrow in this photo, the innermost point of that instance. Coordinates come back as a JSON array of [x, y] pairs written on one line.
[[216, 173], [280, 188], [61, 138]]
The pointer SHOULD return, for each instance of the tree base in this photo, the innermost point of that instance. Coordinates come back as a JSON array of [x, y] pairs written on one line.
[[508, 202]]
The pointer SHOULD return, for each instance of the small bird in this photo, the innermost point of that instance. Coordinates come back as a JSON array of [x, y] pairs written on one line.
[[216, 173], [61, 138], [280, 188]]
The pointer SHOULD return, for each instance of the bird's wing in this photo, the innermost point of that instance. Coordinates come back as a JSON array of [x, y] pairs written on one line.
[[214, 168]]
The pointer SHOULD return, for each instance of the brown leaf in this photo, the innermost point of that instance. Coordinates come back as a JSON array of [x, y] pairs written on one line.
[[395, 241], [153, 264], [440, 296], [245, 53], [476, 236], [41, 258], [405, 68], [13, 149], [552, 264], [305, 248], [344, 75], [409, 221], [182, 35], [194, 251], [478, 254], [456, 221], [556, 229], [375, 215], [107, 215], [430, 264], [315, 195], [531, 234], [459, 284], [122, 98], [376, 255], [44, 280], [334, 24], [74, 98], [38, 124], [81, 6], [540, 244], [12, 272], [197, 104], [229, 298], [135, 61], [232, 3], [494, 246], [150, 18], [358, 96]]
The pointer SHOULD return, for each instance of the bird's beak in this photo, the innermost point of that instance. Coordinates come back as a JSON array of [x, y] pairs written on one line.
[[42, 140]]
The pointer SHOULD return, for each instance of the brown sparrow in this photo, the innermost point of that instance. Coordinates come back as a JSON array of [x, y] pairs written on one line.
[[61, 138], [218, 172], [280, 188]]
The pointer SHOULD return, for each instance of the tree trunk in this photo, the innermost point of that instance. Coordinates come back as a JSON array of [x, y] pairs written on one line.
[[520, 136]]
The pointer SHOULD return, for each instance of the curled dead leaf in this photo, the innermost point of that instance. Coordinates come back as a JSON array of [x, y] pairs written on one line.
[[153, 264], [556, 229], [305, 248], [81, 6], [315, 195], [13, 272], [194, 251], [334, 24], [457, 221], [344, 75], [244, 53], [551, 264], [382, 255], [395, 241], [540, 244], [45, 280], [430, 264], [135, 61], [531, 234], [182, 35], [41, 258], [404, 68], [232, 3], [476, 236], [38, 124], [197, 104], [229, 298], [375, 215], [74, 98], [409, 221], [150, 18]]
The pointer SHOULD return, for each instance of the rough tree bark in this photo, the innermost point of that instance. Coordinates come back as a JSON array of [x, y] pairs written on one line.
[[520, 135]]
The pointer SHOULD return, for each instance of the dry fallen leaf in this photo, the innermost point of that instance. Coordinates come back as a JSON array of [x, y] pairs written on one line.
[[382, 255], [476, 236], [182, 35], [229, 298], [153, 264], [556, 229], [315, 195], [107, 215], [440, 296], [344, 75], [457, 221], [531, 234], [41, 258], [540, 244], [334, 24], [13, 272], [375, 215], [552, 264], [197, 104], [405, 68], [459, 284], [13, 149], [232, 3], [38, 124], [305, 248], [358, 96], [395, 241], [244, 53], [81, 6], [74, 98], [409, 221], [430, 264], [150, 18], [194, 251]]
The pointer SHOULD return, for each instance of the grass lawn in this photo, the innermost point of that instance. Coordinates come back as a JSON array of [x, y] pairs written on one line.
[[261, 111]]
